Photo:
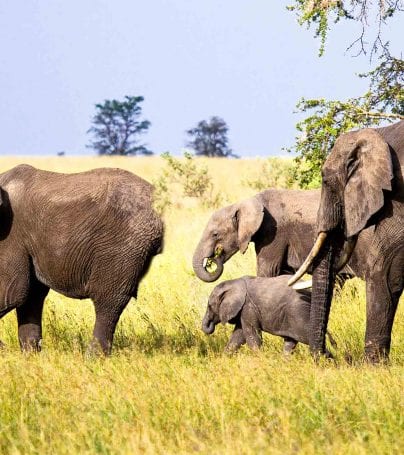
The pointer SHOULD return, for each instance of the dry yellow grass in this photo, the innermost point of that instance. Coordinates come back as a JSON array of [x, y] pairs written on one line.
[[168, 388]]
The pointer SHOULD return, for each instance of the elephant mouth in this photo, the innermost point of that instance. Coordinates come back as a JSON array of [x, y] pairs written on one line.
[[210, 265], [213, 265]]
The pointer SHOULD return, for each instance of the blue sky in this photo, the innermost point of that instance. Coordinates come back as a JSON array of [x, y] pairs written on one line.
[[246, 61]]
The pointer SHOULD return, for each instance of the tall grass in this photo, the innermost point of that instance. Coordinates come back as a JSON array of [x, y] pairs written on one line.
[[168, 388]]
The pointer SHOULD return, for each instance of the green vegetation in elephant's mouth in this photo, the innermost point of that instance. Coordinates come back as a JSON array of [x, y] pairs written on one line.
[[211, 263]]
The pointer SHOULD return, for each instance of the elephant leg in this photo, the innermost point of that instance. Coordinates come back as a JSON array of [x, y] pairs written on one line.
[[252, 336], [380, 311], [107, 313], [237, 339], [289, 345], [29, 318]]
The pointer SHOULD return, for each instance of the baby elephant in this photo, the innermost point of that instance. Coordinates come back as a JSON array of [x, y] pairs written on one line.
[[254, 304]]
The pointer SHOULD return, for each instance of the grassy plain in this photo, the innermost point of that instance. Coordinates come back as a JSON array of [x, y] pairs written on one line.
[[168, 388]]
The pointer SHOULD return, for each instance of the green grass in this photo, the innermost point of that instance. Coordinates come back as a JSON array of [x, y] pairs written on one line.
[[168, 388]]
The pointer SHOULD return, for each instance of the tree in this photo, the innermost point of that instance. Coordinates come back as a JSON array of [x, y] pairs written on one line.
[[382, 102], [117, 127], [209, 138]]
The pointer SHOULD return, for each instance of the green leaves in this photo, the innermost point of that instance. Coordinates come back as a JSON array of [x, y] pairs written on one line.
[[384, 101], [319, 13]]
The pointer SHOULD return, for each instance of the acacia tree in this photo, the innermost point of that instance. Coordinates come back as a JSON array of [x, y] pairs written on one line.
[[209, 138], [117, 127], [320, 13], [382, 102]]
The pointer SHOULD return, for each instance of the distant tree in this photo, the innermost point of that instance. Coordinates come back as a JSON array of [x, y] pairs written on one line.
[[209, 138], [117, 127]]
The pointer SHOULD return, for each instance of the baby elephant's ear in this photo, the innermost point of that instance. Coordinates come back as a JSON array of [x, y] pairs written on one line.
[[232, 300]]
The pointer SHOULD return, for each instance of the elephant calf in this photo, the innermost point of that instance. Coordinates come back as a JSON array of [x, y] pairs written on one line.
[[255, 304]]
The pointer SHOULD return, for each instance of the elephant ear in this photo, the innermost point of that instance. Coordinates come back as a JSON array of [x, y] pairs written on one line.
[[248, 218], [232, 299], [369, 172]]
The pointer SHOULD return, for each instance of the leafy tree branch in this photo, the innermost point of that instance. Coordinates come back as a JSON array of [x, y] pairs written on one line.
[[321, 13], [384, 101]]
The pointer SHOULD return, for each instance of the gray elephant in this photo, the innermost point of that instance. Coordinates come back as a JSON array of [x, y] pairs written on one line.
[[362, 187], [260, 304], [281, 223], [86, 235]]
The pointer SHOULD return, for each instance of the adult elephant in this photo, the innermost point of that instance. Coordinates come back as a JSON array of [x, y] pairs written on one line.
[[87, 235], [281, 223], [362, 187]]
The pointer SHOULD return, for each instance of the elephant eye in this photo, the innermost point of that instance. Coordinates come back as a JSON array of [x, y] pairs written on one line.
[[352, 161], [215, 235], [351, 166]]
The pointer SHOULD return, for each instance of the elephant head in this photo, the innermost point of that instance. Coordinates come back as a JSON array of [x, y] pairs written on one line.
[[229, 230], [354, 176], [225, 303]]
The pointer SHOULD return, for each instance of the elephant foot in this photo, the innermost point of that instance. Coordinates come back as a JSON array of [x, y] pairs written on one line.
[[31, 344], [376, 358], [29, 336], [231, 349], [289, 346], [376, 353], [94, 350], [319, 356]]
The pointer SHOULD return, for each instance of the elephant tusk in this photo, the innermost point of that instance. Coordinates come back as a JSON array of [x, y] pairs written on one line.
[[303, 285], [349, 246], [212, 259], [310, 258]]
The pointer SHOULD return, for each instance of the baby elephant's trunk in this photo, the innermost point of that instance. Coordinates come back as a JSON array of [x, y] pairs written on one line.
[[208, 326]]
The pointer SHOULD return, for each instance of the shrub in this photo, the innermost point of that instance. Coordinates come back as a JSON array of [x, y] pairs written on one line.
[[273, 173], [188, 178]]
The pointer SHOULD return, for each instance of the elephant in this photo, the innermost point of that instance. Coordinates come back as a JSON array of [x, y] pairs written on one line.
[[86, 235], [282, 225], [255, 304], [362, 187]]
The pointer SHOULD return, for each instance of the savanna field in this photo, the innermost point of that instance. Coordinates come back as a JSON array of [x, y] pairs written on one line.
[[168, 388]]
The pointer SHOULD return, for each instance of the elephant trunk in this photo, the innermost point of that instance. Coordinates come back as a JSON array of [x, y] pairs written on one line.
[[208, 326], [207, 268], [323, 286]]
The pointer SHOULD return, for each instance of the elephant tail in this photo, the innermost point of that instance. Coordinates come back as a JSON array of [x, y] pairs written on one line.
[[332, 340]]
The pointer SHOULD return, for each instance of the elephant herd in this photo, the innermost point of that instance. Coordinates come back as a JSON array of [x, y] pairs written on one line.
[[93, 235]]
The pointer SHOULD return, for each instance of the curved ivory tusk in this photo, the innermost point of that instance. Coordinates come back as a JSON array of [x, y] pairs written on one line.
[[349, 246], [308, 261], [303, 285]]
